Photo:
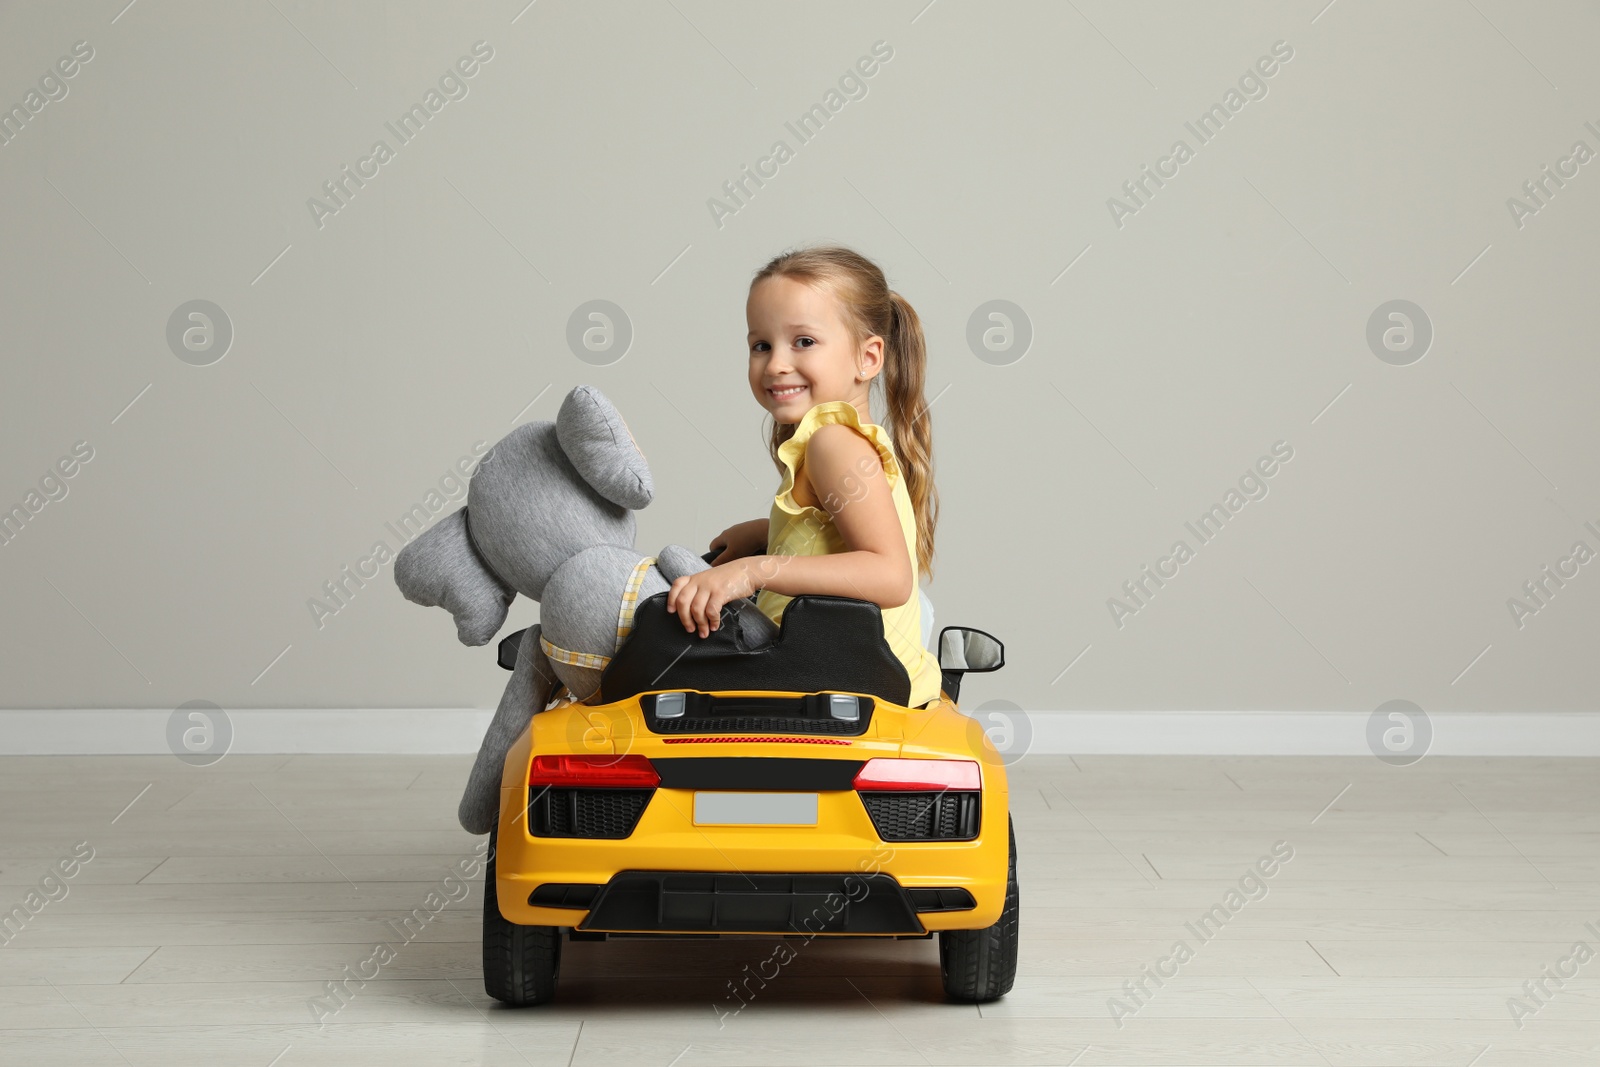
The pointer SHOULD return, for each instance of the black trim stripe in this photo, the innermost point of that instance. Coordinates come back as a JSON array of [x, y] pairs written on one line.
[[756, 773]]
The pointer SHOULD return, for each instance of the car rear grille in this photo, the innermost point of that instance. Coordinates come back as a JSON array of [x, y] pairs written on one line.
[[599, 813], [714, 713], [944, 816], [752, 724]]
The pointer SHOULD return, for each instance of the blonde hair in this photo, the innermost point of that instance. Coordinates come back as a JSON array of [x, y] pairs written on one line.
[[870, 307]]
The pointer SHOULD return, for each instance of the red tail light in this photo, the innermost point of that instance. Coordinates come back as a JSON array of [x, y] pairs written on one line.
[[921, 774], [618, 772]]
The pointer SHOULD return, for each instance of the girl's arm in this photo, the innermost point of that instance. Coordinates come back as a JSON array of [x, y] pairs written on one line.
[[739, 540], [844, 472], [847, 479]]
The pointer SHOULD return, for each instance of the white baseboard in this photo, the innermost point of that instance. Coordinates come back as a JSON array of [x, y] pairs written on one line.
[[143, 731], [1306, 733], [456, 731]]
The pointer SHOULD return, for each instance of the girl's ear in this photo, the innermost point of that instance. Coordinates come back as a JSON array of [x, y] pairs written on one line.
[[869, 360]]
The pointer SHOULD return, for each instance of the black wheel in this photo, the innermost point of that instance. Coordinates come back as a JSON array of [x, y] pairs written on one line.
[[980, 965], [520, 963]]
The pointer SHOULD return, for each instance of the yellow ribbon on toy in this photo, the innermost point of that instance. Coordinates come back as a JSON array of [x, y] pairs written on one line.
[[630, 601]]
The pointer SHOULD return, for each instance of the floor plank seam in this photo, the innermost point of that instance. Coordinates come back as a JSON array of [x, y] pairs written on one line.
[[141, 963]]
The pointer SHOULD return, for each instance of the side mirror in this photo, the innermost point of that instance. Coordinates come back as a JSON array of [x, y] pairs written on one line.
[[963, 649], [510, 646]]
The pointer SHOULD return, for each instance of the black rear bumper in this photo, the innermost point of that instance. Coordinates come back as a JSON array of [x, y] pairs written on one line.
[[716, 902]]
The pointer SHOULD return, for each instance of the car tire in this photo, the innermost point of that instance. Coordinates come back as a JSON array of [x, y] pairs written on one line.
[[980, 965], [520, 963]]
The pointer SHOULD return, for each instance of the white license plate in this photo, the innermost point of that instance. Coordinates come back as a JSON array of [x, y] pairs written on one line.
[[755, 809]]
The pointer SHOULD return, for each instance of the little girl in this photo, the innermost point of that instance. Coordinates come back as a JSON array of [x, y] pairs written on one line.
[[855, 513]]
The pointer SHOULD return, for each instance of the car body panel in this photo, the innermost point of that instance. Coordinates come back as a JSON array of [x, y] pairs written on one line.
[[844, 839]]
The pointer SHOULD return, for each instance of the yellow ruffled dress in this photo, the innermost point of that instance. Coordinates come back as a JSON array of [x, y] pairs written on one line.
[[797, 530]]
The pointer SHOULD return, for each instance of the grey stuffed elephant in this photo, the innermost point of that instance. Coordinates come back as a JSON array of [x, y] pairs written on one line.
[[549, 514]]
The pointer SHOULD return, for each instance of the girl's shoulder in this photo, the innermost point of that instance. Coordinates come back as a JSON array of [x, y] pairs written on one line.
[[837, 412]]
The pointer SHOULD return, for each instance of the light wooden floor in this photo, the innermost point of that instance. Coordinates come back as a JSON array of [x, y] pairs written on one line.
[[221, 901]]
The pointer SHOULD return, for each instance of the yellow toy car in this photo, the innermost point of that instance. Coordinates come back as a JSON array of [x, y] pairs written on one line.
[[712, 790]]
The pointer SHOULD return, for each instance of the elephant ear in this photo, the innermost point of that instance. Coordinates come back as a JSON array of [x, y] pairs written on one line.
[[441, 568], [600, 446]]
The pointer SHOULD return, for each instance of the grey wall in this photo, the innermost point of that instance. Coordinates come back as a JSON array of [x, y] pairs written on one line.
[[1229, 312]]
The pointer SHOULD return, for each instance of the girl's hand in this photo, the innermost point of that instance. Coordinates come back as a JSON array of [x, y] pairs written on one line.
[[698, 598], [740, 540]]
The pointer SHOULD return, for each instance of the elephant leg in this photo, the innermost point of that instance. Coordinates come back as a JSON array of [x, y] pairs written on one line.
[[675, 561], [526, 694]]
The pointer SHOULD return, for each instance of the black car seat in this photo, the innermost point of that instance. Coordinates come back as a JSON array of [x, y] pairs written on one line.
[[825, 643]]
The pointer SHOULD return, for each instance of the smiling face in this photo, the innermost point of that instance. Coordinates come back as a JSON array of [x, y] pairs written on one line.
[[801, 352]]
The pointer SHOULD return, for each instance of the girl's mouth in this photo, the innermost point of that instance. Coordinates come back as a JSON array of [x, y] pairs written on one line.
[[787, 392]]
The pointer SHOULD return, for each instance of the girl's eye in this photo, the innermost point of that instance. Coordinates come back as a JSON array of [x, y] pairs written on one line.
[[797, 341]]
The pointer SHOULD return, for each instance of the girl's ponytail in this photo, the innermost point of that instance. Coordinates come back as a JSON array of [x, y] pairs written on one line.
[[910, 425]]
